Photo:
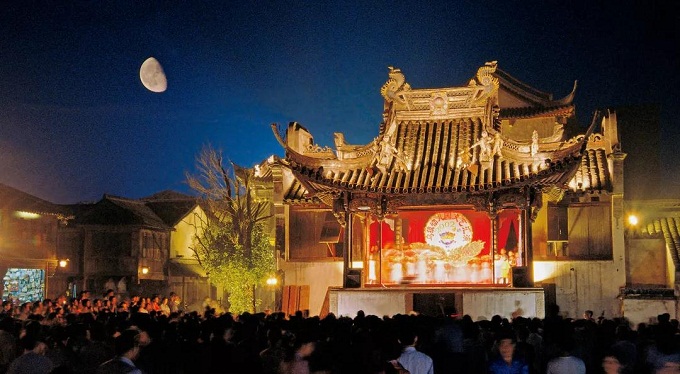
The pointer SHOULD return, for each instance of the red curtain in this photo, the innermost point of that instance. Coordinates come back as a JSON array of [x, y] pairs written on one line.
[[507, 219]]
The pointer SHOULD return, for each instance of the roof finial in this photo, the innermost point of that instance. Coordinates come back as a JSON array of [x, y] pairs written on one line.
[[395, 83]]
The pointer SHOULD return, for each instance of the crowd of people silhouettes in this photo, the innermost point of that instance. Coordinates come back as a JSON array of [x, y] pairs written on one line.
[[153, 335]]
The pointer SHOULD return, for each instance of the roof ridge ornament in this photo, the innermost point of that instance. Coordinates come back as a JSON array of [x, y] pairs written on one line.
[[395, 84], [486, 79]]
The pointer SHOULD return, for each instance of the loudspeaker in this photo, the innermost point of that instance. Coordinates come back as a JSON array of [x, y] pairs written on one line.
[[520, 277], [353, 279]]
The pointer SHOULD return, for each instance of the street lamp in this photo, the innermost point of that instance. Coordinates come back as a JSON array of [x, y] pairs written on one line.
[[272, 284], [631, 229], [63, 262]]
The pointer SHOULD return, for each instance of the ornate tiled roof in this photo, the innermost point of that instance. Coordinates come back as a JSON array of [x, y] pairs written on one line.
[[441, 157], [444, 140], [529, 112], [297, 193], [531, 96], [593, 173]]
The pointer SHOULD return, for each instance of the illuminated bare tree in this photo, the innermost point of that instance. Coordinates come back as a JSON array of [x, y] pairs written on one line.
[[231, 244]]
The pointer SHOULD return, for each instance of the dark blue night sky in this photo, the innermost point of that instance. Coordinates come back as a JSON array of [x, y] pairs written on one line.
[[75, 121]]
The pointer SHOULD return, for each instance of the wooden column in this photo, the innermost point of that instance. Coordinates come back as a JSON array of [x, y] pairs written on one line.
[[528, 243], [347, 249], [494, 243]]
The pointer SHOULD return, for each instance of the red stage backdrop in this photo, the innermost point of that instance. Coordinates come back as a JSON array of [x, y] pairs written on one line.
[[441, 246]]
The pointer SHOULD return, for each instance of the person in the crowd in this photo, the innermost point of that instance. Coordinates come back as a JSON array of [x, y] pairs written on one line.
[[669, 367], [33, 360], [566, 362], [618, 361], [588, 315], [507, 362], [135, 299], [272, 357], [297, 359], [94, 351], [127, 347], [7, 342], [154, 304], [85, 306], [165, 307], [113, 303], [411, 359], [448, 347], [665, 350], [611, 365], [174, 302], [142, 306], [24, 311]]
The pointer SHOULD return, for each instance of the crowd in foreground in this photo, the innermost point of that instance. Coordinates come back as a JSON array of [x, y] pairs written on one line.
[[141, 336]]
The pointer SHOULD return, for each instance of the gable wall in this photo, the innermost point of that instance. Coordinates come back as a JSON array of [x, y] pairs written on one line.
[[183, 238], [645, 258], [509, 100], [521, 129]]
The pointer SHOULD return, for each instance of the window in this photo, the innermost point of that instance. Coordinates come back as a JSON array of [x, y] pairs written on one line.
[[152, 245], [314, 234], [590, 232], [558, 231], [579, 232], [111, 244], [558, 223]]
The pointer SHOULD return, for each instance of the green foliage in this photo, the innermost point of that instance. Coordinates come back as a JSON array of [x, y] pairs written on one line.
[[230, 268], [231, 244]]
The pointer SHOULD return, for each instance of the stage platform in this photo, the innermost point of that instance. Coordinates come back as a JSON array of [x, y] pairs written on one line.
[[478, 302]]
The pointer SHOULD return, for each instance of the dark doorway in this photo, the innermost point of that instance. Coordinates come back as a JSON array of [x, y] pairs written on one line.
[[435, 304]]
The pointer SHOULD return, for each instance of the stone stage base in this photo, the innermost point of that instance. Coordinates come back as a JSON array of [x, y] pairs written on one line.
[[479, 303]]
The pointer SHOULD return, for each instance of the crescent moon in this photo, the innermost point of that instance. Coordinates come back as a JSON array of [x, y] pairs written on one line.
[[152, 76]]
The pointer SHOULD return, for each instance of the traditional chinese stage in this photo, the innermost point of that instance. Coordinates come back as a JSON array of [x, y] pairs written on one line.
[[478, 302]]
